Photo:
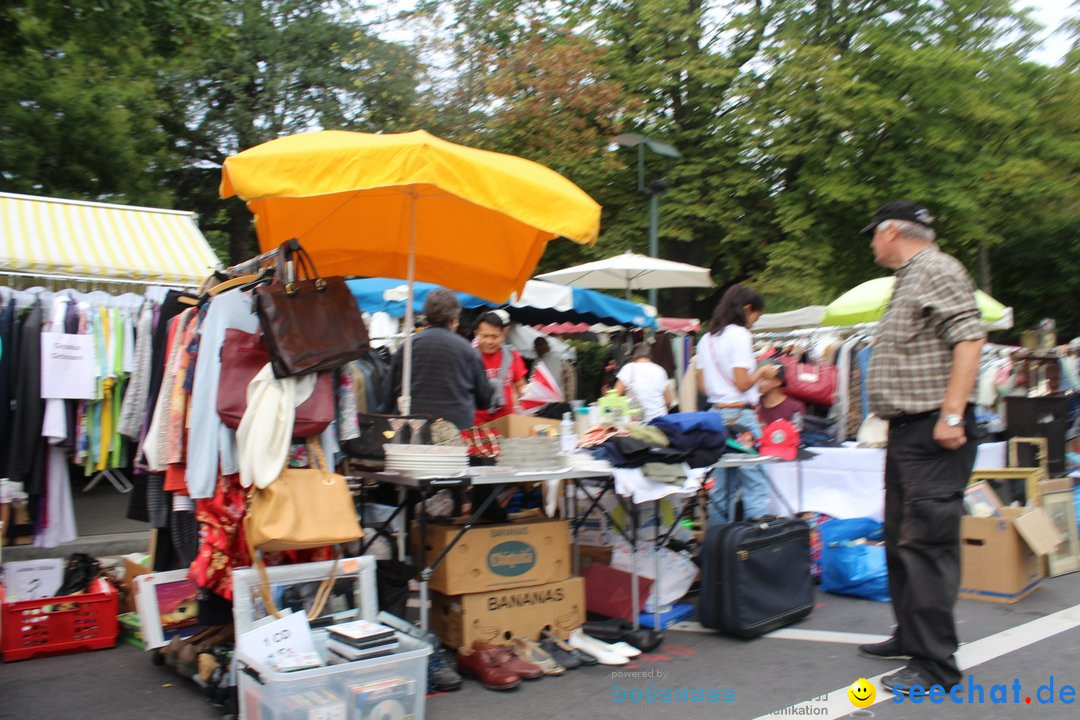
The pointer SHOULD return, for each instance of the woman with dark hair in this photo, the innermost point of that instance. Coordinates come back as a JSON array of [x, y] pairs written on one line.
[[503, 364], [729, 374], [647, 381]]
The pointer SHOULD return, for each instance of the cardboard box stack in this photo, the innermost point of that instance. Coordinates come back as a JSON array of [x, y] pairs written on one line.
[[503, 581]]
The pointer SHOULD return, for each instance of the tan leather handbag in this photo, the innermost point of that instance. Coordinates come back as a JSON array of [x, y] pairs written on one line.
[[303, 508]]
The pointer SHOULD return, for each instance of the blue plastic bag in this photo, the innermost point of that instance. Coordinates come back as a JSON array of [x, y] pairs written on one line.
[[849, 569]]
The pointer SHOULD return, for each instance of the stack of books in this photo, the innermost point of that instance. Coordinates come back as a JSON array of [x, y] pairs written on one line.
[[360, 640]]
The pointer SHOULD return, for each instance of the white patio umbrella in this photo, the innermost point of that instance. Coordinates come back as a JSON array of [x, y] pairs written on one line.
[[631, 271]]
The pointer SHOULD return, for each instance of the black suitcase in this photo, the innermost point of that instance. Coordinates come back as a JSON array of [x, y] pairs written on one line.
[[755, 576]]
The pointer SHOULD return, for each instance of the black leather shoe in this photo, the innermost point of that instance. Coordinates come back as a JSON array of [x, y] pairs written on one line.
[[888, 650], [564, 657], [901, 682]]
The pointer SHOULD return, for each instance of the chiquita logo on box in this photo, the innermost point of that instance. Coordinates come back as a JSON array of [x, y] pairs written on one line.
[[512, 558]]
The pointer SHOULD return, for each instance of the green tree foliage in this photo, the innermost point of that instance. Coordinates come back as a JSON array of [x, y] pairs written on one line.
[[78, 107], [795, 119]]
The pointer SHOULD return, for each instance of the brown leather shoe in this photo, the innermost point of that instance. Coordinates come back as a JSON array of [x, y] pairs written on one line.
[[485, 665], [510, 661]]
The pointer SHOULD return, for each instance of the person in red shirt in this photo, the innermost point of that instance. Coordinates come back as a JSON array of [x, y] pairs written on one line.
[[775, 403], [504, 366]]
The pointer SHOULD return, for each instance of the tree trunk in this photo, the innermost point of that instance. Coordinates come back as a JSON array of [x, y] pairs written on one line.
[[984, 269], [242, 244]]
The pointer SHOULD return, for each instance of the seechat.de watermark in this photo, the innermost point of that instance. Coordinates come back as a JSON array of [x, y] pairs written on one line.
[[975, 694]]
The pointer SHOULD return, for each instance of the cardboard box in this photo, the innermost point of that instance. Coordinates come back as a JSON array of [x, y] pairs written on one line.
[[1056, 485], [492, 557], [588, 554], [999, 556], [132, 570], [523, 425], [495, 617]]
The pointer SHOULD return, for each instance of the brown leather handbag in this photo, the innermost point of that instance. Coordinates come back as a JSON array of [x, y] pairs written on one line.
[[310, 323], [243, 355]]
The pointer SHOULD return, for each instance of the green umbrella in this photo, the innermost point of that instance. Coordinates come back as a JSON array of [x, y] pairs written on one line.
[[866, 303]]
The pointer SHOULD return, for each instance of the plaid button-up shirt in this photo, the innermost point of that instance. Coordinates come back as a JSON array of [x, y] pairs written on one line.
[[931, 309]]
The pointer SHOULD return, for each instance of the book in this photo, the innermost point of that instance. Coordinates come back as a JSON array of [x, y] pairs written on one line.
[[361, 632], [352, 653]]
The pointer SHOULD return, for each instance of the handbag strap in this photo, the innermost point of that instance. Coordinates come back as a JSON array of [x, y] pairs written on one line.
[[315, 454], [322, 595], [305, 266]]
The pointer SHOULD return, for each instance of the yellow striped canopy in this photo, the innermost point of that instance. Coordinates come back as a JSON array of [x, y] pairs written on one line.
[[50, 238], [361, 204]]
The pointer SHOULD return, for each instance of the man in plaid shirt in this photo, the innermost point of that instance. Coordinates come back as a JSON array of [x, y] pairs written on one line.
[[922, 373]]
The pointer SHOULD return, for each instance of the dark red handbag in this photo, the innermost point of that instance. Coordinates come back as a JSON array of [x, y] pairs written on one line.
[[813, 384], [243, 355]]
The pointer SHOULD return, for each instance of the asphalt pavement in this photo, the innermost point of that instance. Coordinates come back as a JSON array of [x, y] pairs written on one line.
[[1011, 652]]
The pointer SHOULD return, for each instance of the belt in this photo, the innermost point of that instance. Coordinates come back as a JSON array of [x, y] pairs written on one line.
[[733, 406], [911, 417]]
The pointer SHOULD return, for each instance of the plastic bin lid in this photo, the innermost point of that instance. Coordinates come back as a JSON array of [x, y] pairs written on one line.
[[355, 596]]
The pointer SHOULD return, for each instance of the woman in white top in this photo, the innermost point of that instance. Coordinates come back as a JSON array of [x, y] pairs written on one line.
[[647, 380], [728, 375]]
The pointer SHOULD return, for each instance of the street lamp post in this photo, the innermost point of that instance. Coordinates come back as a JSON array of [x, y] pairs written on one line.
[[655, 188]]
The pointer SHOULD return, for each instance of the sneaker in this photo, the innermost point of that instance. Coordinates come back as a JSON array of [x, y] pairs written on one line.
[[901, 682], [888, 650], [442, 677]]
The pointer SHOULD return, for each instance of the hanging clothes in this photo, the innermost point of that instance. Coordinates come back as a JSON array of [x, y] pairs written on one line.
[[212, 445], [9, 353], [27, 450]]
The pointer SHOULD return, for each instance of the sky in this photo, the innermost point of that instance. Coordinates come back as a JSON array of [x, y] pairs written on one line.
[[1051, 13]]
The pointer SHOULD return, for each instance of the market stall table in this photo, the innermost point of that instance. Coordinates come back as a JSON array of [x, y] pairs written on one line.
[[496, 477]]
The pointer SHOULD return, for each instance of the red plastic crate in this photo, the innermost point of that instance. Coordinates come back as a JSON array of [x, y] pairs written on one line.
[[28, 629]]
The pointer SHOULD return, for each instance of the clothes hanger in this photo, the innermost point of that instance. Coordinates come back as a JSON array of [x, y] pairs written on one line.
[[233, 283]]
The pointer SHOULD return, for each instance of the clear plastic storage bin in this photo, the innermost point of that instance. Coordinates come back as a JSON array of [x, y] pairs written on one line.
[[391, 687]]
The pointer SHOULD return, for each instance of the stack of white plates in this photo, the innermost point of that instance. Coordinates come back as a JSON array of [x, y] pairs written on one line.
[[538, 453], [427, 460]]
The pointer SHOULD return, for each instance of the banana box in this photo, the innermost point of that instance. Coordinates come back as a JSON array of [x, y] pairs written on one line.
[[496, 617], [494, 557]]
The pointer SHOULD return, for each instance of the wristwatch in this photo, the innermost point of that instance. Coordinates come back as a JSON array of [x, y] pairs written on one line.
[[953, 420]]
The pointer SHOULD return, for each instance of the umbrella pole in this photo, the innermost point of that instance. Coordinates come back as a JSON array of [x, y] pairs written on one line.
[[405, 401]]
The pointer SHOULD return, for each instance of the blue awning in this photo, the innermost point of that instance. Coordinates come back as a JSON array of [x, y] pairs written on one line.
[[540, 302]]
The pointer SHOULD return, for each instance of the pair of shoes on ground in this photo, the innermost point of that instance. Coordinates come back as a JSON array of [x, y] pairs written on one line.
[[563, 653], [617, 653], [502, 667], [901, 681], [618, 630]]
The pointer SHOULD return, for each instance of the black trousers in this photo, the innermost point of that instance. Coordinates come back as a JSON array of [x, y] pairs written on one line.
[[924, 494]]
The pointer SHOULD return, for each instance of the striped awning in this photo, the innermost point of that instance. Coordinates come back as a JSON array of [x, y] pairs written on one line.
[[54, 239]]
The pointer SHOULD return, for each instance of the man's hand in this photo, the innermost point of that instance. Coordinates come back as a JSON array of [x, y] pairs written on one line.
[[947, 437]]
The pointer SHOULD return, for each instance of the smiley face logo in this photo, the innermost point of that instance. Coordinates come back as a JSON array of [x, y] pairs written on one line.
[[862, 693]]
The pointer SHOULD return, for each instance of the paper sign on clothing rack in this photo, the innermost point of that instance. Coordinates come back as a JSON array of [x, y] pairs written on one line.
[[68, 367]]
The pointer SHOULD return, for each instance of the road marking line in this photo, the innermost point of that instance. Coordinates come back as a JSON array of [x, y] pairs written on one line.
[[826, 636], [968, 656]]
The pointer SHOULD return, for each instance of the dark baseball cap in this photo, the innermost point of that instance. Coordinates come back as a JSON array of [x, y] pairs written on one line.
[[900, 210]]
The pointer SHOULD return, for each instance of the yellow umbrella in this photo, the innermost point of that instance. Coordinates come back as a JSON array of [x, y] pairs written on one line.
[[409, 206]]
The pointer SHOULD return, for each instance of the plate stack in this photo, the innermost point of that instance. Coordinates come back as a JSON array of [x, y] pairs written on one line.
[[427, 460], [530, 453]]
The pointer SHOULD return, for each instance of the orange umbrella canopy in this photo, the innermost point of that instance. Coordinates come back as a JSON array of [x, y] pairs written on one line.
[[363, 204]]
